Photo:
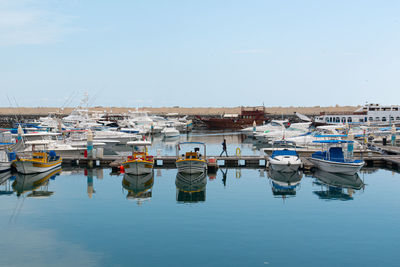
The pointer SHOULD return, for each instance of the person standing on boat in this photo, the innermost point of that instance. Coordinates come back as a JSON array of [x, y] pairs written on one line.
[[224, 148]]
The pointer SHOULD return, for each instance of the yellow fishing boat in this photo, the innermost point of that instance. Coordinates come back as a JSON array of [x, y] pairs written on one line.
[[191, 162], [40, 161], [140, 162]]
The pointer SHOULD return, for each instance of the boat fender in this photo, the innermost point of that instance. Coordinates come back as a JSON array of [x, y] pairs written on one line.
[[238, 152]]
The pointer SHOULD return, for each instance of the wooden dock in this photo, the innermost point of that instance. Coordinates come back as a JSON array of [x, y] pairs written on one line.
[[391, 150], [168, 162]]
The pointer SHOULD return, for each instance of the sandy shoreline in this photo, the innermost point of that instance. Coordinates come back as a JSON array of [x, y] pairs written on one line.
[[180, 110]]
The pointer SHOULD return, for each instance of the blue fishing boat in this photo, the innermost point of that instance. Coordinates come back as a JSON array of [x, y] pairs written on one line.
[[333, 160]]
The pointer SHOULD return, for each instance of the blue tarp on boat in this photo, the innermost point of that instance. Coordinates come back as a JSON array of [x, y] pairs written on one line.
[[284, 152]]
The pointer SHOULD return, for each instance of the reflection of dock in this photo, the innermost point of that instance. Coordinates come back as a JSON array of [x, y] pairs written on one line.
[[256, 161]]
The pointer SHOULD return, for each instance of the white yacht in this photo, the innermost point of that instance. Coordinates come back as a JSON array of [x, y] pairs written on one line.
[[284, 160], [373, 113], [170, 131]]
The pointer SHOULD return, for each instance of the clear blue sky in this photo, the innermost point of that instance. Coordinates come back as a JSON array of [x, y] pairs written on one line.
[[200, 53]]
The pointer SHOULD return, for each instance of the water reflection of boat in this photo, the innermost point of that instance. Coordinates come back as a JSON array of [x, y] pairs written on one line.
[[338, 186], [191, 187], [4, 178], [139, 187], [284, 184], [37, 183]]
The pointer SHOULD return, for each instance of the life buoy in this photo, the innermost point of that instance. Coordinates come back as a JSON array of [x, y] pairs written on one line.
[[238, 174], [238, 152]]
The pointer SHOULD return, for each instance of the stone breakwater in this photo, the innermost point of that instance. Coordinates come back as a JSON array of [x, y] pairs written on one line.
[[44, 111]]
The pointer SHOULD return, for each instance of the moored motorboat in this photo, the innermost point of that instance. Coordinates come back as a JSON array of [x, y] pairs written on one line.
[[333, 160], [169, 131], [140, 162], [40, 161], [284, 160], [192, 161]]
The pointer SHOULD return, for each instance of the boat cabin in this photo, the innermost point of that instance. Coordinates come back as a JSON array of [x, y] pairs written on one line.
[[43, 156], [140, 156], [192, 154], [139, 151], [333, 154], [284, 152]]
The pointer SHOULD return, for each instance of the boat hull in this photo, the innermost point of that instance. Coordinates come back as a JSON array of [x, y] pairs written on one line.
[[137, 167], [191, 166], [171, 134], [225, 123], [5, 166], [30, 167], [285, 164], [337, 167]]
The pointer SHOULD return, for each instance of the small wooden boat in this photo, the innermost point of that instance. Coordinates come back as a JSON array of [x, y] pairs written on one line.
[[192, 161], [140, 162], [40, 161]]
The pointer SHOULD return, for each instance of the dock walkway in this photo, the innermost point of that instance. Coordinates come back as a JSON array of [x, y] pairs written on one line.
[[168, 162]]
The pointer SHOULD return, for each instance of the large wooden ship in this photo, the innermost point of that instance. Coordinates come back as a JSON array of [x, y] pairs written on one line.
[[246, 118]]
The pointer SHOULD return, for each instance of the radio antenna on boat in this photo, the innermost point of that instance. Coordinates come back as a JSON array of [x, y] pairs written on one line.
[[11, 105]]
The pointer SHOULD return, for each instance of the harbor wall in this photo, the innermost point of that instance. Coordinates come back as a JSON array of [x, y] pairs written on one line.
[[43, 111], [9, 116]]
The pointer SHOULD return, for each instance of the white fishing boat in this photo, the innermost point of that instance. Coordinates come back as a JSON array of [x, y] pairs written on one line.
[[192, 161], [140, 162], [38, 161], [284, 160], [334, 160]]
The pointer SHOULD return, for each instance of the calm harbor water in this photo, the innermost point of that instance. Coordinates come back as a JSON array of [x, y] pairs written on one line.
[[236, 217], [213, 141], [233, 218]]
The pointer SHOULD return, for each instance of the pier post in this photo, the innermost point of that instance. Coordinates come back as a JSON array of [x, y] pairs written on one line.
[[89, 148], [393, 139]]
